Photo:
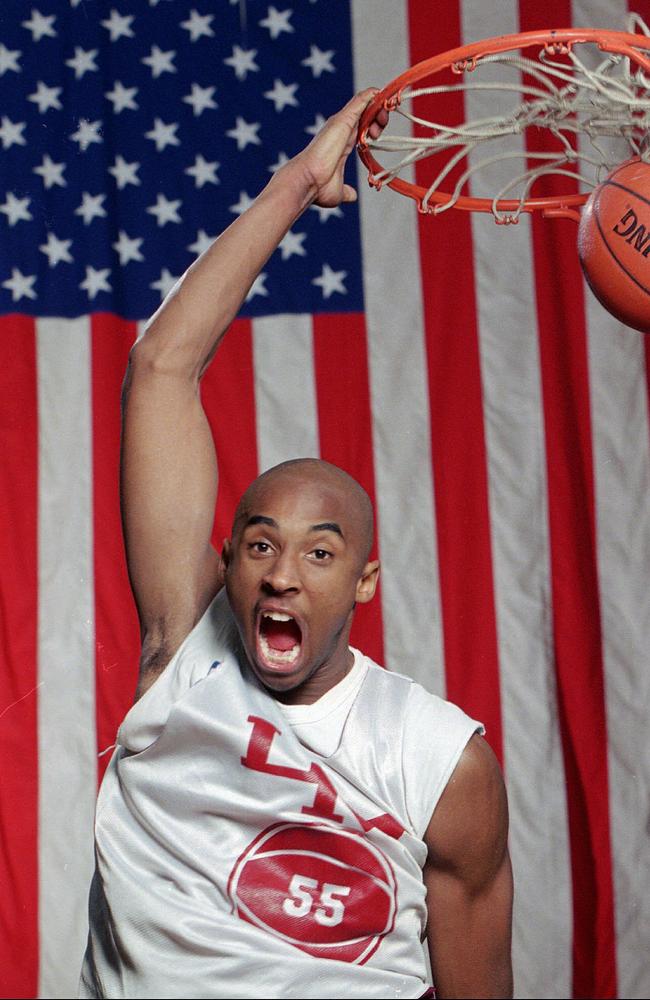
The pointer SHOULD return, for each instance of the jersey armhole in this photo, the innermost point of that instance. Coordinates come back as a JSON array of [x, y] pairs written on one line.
[[435, 736], [146, 719]]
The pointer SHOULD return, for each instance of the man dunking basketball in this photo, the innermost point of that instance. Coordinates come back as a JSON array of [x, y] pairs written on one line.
[[281, 817]]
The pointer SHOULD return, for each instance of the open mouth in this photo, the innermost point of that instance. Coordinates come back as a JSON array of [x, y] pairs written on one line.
[[280, 639]]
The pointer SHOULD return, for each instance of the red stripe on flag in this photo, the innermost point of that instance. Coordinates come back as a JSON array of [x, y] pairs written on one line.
[[574, 575], [345, 431], [19, 674], [228, 394], [640, 7], [117, 636], [457, 433]]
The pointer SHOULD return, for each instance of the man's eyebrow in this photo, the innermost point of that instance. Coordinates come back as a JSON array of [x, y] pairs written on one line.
[[328, 526], [261, 519], [323, 526]]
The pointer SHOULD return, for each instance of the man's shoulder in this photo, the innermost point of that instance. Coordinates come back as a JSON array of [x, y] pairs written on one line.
[[394, 688], [217, 626], [423, 734]]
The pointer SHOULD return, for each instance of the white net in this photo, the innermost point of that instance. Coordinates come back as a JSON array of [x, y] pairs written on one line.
[[570, 92]]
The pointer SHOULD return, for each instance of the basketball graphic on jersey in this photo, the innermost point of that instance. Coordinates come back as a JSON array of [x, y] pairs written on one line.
[[324, 890]]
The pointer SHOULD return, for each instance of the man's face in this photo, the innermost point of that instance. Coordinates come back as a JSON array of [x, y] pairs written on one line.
[[295, 569]]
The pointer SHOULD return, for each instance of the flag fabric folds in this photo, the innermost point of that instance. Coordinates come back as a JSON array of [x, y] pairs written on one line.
[[463, 372]]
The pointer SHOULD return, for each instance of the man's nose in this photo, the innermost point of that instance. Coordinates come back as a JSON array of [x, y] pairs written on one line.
[[282, 573]]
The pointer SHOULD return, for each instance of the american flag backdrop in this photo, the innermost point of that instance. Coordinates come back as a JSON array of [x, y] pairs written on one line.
[[461, 371]]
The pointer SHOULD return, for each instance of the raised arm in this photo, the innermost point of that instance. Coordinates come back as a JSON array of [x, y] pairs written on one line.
[[469, 881], [169, 467]]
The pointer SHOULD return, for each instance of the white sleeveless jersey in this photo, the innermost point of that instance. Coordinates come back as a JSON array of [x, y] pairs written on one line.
[[247, 849]]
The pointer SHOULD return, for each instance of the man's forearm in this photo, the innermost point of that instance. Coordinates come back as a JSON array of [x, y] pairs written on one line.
[[185, 332], [187, 328]]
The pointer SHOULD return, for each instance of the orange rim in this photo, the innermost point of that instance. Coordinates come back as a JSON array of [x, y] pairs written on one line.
[[464, 59]]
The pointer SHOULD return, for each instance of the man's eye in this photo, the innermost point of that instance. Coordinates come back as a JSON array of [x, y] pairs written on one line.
[[261, 547], [321, 554]]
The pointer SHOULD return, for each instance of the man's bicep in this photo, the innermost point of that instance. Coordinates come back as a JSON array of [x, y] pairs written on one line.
[[168, 494], [469, 881]]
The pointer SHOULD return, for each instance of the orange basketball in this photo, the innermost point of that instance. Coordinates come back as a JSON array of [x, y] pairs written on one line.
[[614, 243]]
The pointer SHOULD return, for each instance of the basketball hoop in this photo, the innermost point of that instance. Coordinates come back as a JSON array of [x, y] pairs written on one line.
[[574, 82]]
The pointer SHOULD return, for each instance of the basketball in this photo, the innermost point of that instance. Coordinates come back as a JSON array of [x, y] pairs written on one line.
[[614, 243], [326, 891]]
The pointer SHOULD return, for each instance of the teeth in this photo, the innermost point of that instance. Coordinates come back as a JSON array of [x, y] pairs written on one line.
[[275, 656], [277, 616]]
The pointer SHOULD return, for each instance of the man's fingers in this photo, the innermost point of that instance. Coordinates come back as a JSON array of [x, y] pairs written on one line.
[[325, 156], [352, 111], [358, 104], [379, 124]]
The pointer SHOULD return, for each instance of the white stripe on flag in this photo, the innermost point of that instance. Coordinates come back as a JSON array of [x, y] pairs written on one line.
[[513, 416], [398, 382], [285, 389], [611, 14], [66, 657]]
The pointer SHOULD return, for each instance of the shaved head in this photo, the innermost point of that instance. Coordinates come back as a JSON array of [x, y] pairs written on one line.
[[328, 479], [296, 567]]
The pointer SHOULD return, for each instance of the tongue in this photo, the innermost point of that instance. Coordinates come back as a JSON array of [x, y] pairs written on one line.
[[280, 635]]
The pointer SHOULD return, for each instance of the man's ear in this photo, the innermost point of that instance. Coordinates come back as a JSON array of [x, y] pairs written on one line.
[[367, 583], [226, 553]]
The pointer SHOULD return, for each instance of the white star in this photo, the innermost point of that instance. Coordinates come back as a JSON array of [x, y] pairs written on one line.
[[124, 173], [165, 210], [203, 172], [20, 285], [96, 280], [16, 209], [163, 135], [277, 21], [245, 202], [201, 98], [9, 59], [325, 213], [165, 282], [52, 173], [46, 97], [242, 61], [245, 133], [282, 94], [314, 129], [91, 207], [258, 287], [86, 134], [128, 248], [291, 244], [198, 25], [122, 97], [40, 25], [56, 250], [280, 162], [11, 133], [202, 242], [331, 281], [160, 62], [83, 61], [119, 25], [319, 61]]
